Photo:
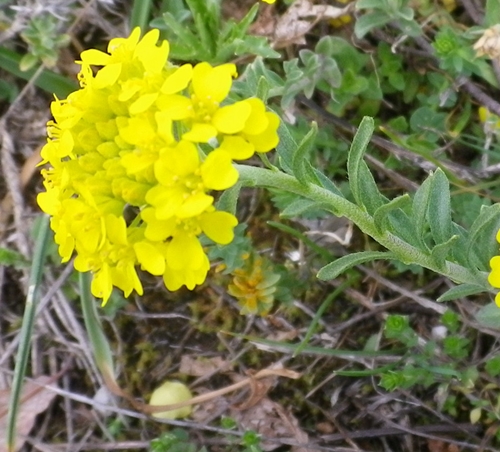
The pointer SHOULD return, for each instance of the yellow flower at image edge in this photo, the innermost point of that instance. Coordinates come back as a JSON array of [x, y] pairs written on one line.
[[494, 276], [122, 191], [269, 1]]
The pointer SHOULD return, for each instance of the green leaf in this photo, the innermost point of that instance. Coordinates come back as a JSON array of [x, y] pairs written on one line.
[[28, 61], [248, 83], [492, 15], [440, 252], [380, 216], [12, 258], [286, 148], [420, 208], [335, 268], [47, 80], [371, 197], [410, 28], [406, 13], [298, 207], [405, 227], [206, 14], [255, 45], [239, 30], [301, 154], [100, 344], [492, 366], [187, 45], [355, 158], [459, 251], [439, 212], [327, 183], [26, 333], [368, 22], [262, 89], [229, 199], [462, 290], [489, 316], [141, 11], [365, 4], [482, 237]]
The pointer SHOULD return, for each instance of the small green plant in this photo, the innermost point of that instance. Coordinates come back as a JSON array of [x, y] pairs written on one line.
[[427, 362], [44, 40], [249, 441], [175, 441], [381, 12], [198, 33]]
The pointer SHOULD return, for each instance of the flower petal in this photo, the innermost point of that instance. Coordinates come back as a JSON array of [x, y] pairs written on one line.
[[232, 119], [237, 147], [184, 252], [217, 170], [177, 81], [150, 258], [218, 226], [200, 133]]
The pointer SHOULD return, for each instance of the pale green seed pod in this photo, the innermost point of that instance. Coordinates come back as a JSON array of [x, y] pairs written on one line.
[[169, 393]]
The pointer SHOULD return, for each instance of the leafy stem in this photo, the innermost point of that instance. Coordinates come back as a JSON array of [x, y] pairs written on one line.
[[340, 206]]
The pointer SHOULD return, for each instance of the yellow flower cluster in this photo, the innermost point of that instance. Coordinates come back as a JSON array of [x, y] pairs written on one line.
[[128, 184]]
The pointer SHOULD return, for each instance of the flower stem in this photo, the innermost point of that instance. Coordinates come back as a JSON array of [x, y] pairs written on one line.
[[342, 207]]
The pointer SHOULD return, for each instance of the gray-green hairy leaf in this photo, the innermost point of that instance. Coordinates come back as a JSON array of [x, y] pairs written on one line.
[[356, 153], [380, 216], [482, 237], [462, 290], [440, 252], [420, 208], [301, 153], [335, 268], [489, 316], [298, 208], [286, 148], [439, 211]]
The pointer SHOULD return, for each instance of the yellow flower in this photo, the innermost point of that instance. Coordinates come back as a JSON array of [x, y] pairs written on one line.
[[254, 285], [494, 276], [269, 1], [113, 155], [243, 127]]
